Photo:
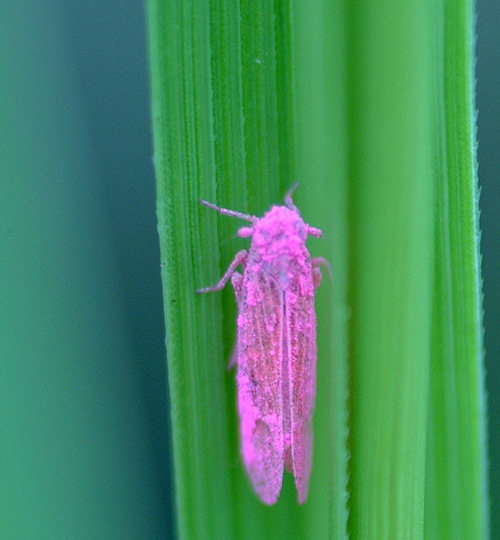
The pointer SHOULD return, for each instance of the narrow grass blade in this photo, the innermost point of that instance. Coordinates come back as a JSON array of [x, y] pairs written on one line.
[[223, 79], [456, 493]]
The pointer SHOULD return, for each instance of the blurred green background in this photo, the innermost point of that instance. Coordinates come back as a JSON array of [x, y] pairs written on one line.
[[84, 447]]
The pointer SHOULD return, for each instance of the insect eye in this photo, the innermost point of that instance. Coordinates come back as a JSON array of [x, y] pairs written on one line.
[[300, 229]]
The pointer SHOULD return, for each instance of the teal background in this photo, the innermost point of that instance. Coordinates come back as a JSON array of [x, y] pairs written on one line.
[[488, 104], [84, 447]]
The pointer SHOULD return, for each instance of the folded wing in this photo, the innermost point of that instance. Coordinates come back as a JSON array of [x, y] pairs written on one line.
[[300, 318], [260, 399]]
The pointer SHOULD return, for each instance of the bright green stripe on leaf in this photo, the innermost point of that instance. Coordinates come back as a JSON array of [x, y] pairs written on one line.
[[456, 498], [391, 197], [321, 155]]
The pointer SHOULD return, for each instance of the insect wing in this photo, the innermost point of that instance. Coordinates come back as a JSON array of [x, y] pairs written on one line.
[[260, 400], [300, 320]]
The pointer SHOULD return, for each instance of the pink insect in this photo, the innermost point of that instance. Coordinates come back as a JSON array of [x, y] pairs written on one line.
[[276, 346]]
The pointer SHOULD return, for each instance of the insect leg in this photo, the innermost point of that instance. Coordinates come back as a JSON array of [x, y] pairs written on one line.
[[316, 263], [234, 358], [240, 258], [321, 261], [237, 281]]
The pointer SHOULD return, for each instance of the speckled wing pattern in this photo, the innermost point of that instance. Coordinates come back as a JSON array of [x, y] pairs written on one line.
[[260, 391], [300, 324], [276, 378]]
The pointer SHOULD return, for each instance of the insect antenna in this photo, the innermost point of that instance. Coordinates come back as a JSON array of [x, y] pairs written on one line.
[[288, 198], [226, 212]]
